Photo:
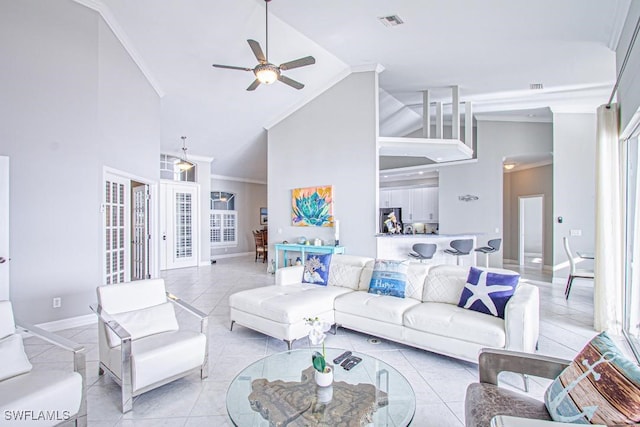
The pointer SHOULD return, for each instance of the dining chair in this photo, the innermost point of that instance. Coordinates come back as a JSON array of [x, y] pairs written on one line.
[[262, 248], [573, 271]]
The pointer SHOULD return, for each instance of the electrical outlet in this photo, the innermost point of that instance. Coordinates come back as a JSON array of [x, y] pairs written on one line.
[[57, 302], [576, 233]]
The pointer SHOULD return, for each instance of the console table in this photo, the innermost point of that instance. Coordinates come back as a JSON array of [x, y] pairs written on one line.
[[285, 247]]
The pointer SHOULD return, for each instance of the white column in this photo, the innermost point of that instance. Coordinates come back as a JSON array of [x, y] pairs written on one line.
[[455, 112], [426, 115], [468, 124], [438, 119]]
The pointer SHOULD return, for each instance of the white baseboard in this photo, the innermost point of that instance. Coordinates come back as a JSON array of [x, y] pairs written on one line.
[[71, 322], [222, 256], [547, 268], [509, 261]]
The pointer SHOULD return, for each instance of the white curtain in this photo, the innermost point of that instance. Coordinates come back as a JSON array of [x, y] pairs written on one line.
[[609, 263]]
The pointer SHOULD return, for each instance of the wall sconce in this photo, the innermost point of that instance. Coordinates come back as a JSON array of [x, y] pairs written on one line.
[[468, 198]]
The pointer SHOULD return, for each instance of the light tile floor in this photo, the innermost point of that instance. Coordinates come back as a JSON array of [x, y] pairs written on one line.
[[439, 382]]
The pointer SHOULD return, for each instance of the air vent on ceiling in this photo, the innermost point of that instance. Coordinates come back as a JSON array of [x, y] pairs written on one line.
[[391, 20], [535, 86]]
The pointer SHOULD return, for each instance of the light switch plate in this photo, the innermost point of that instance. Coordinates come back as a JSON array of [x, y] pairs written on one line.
[[576, 232]]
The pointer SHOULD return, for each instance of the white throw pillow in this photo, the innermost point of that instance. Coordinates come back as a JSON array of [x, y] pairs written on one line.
[[147, 321], [445, 283], [14, 359]]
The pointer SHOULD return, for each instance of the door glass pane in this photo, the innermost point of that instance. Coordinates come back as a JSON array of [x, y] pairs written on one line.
[[184, 226], [632, 249]]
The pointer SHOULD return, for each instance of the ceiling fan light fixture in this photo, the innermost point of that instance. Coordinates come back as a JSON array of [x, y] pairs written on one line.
[[267, 73]]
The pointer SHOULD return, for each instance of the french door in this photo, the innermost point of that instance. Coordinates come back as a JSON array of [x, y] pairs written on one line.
[[4, 228], [179, 218], [140, 262], [116, 229]]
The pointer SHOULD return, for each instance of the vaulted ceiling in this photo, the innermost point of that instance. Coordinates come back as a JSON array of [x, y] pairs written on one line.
[[492, 49]]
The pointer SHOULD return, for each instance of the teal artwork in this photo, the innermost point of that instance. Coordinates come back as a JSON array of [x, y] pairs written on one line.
[[312, 206]]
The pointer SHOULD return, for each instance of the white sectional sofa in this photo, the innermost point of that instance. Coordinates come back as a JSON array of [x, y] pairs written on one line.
[[428, 317]]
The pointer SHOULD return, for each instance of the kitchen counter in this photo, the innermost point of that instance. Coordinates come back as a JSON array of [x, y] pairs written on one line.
[[398, 246]]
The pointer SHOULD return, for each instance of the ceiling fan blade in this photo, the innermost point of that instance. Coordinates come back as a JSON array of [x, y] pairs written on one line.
[[231, 67], [301, 62], [294, 84], [254, 85], [257, 51]]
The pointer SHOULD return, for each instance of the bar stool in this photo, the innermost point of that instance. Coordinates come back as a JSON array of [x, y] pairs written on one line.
[[460, 247], [492, 246], [423, 251]]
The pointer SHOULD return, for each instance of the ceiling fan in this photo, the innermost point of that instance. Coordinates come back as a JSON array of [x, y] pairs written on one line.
[[265, 71]]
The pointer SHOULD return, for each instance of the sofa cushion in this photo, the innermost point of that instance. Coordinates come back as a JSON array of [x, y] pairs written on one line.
[[488, 291], [142, 323], [287, 304], [444, 284], [316, 269], [58, 392], [416, 276], [455, 322], [485, 401], [14, 359], [389, 278], [345, 271], [377, 307], [365, 277], [603, 387]]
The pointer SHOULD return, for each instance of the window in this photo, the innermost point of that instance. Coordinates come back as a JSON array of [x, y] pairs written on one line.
[[631, 325], [223, 201], [223, 219], [169, 169]]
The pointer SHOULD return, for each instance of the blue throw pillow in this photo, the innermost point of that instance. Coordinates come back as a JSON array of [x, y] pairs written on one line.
[[316, 269], [488, 291], [600, 386], [389, 278]]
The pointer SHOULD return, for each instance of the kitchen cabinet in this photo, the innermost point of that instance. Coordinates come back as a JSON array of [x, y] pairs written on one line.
[[418, 204]]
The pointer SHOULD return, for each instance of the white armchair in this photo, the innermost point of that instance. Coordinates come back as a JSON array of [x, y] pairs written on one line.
[[140, 342], [40, 397]]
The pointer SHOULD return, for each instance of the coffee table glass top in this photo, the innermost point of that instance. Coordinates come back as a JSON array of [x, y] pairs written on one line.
[[282, 387]]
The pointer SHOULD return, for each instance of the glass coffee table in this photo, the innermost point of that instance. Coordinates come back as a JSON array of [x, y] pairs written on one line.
[[280, 390]]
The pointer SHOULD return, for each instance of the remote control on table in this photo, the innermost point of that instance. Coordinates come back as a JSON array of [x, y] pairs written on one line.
[[353, 361], [342, 357], [346, 361]]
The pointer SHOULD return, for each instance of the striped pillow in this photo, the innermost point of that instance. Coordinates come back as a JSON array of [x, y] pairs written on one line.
[[600, 386]]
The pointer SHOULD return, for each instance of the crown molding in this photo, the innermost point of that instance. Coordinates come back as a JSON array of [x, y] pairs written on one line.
[[121, 35], [238, 179]]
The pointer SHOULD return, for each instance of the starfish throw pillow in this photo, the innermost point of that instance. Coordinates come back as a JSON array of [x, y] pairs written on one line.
[[488, 291]]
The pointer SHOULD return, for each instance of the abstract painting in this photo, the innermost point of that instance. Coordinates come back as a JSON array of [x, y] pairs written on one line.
[[312, 206]]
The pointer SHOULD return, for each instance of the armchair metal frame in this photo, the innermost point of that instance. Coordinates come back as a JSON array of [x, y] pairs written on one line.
[[126, 383], [79, 363], [493, 361]]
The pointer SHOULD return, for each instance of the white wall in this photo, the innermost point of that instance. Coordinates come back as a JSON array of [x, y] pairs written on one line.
[[73, 102], [484, 178], [574, 186], [250, 197], [329, 141]]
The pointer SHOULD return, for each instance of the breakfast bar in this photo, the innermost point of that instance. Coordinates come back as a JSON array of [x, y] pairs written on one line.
[[398, 246]]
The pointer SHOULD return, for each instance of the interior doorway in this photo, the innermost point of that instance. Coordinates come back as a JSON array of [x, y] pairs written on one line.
[[531, 231], [4, 228], [128, 224]]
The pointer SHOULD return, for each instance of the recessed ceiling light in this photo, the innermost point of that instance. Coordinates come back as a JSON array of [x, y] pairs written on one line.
[[385, 176], [420, 173]]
